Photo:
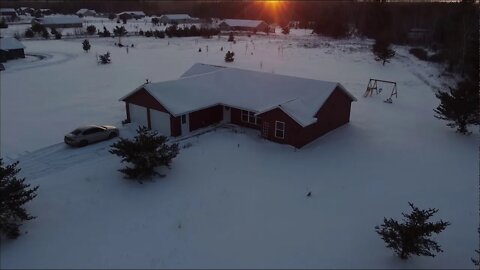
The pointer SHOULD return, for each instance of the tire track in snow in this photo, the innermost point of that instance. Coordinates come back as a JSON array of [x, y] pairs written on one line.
[[48, 59]]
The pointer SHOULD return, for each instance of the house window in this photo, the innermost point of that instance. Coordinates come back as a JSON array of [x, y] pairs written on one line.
[[249, 117], [184, 119], [279, 129]]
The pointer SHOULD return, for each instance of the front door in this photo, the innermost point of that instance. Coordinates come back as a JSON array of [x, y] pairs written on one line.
[[184, 123], [265, 127]]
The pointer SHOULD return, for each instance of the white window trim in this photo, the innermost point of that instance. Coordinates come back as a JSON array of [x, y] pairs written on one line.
[[277, 129], [255, 118]]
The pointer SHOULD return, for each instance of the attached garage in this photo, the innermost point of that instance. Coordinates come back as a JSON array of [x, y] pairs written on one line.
[[138, 114], [160, 122]]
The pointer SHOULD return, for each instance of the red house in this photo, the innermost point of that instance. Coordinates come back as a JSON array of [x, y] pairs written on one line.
[[285, 109]]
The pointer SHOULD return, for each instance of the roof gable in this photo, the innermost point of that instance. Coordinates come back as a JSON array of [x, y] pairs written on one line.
[[242, 23], [10, 43]]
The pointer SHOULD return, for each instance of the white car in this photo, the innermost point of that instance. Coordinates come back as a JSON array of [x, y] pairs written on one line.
[[90, 134]]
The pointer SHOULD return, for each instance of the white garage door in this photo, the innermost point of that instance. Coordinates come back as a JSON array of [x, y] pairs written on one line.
[[138, 115], [160, 122]]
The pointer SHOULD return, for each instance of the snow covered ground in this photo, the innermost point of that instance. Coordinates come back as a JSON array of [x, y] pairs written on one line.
[[232, 199]]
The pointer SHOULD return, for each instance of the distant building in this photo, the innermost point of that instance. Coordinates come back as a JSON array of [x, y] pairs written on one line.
[[86, 12], [46, 11], [60, 21], [176, 18], [127, 15], [419, 35], [244, 25], [11, 48], [9, 14]]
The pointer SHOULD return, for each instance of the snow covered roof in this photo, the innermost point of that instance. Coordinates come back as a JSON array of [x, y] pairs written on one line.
[[85, 10], [7, 10], [177, 16], [138, 13], [204, 85], [10, 43], [60, 19], [242, 23]]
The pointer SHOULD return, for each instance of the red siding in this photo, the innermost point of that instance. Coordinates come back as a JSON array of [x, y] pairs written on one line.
[[292, 128], [205, 117], [334, 113], [144, 99]]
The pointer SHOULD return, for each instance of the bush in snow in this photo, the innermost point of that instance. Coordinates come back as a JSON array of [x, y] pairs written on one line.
[[459, 106], [14, 193], [141, 33], [105, 58], [231, 38], [3, 23], [159, 34], [148, 33], [105, 32], [111, 16], [285, 29], [382, 51], [45, 34], [155, 21], [38, 28], [229, 56], [146, 151], [91, 29], [86, 45], [413, 235], [29, 33]]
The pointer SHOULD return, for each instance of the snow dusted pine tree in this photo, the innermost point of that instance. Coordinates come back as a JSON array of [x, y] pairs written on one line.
[[460, 106], [86, 45], [14, 193], [412, 236], [146, 152]]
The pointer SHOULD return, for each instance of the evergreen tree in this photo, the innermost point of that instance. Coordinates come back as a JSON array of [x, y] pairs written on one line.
[[460, 106], [58, 35], [413, 235], [91, 29], [111, 16], [229, 56], [105, 32], [145, 152], [148, 33], [155, 21], [29, 33], [119, 32], [14, 193], [285, 29], [105, 58], [86, 45], [382, 51]]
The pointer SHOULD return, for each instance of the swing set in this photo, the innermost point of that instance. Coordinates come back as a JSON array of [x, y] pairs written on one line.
[[373, 86]]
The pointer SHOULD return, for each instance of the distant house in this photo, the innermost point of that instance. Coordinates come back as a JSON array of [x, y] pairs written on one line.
[[284, 109], [127, 15], [9, 14], [243, 25], [86, 12], [60, 21], [419, 35], [11, 48], [46, 11], [176, 18]]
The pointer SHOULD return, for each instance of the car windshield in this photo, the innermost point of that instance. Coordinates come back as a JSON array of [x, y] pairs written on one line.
[[76, 131]]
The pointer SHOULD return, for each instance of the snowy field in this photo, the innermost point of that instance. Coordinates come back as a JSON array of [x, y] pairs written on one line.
[[232, 199]]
